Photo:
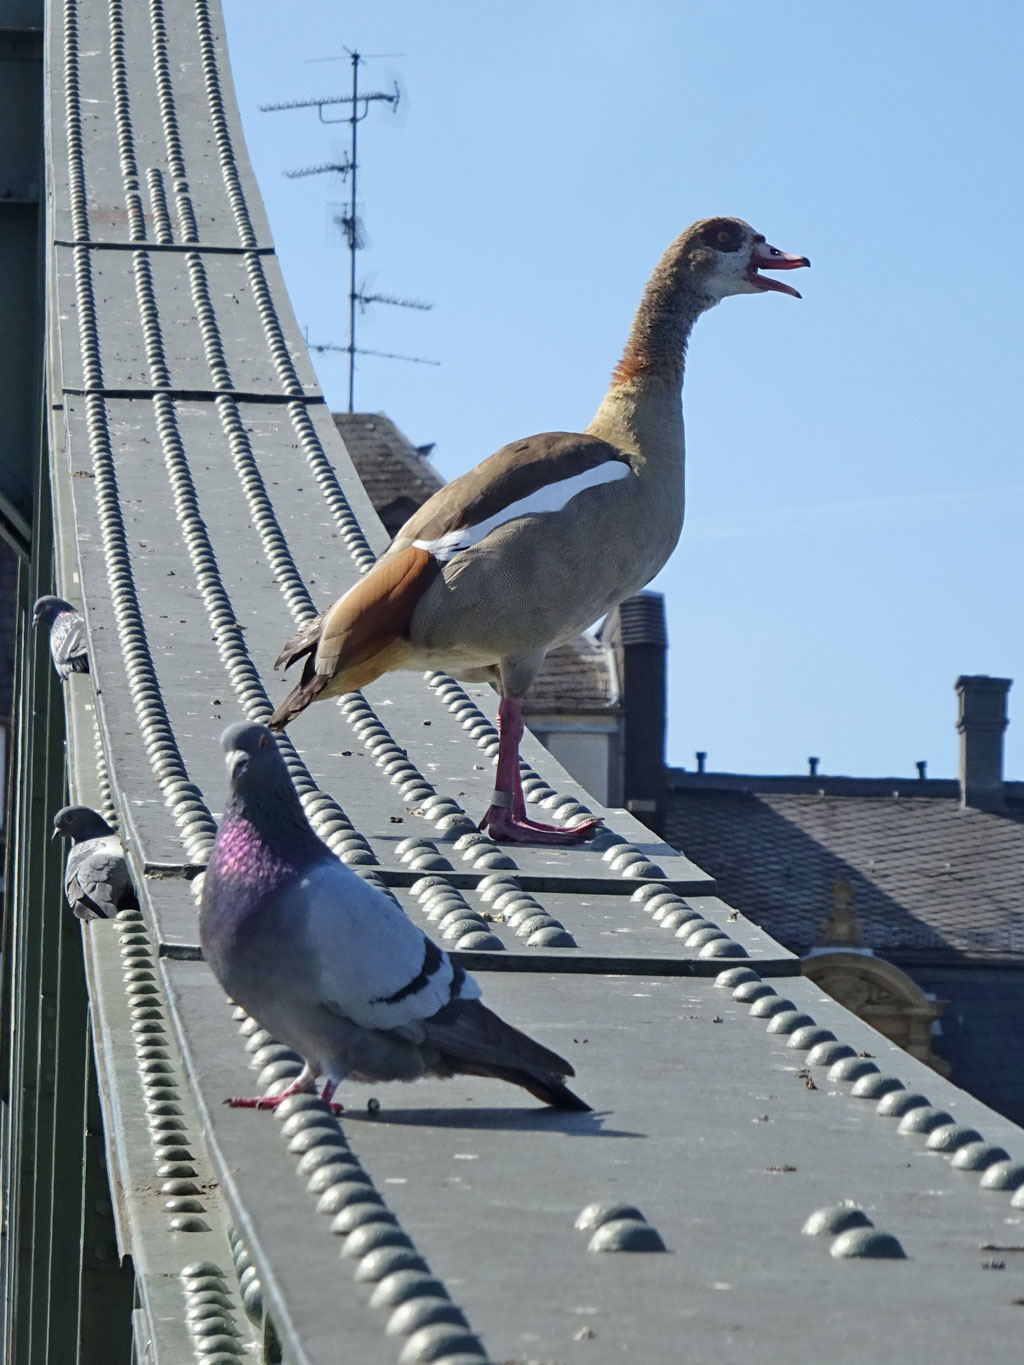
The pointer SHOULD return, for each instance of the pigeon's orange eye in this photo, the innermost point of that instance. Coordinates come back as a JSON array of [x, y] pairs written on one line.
[[263, 741], [723, 238]]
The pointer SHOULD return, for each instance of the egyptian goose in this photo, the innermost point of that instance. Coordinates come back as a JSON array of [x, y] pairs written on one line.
[[545, 536]]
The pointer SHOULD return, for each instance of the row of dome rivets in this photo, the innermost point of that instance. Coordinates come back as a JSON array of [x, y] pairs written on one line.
[[617, 1226], [671, 912], [917, 1117], [236, 197], [123, 125], [193, 818], [418, 1305], [208, 55], [159, 1083], [250, 1286], [216, 360], [626, 859], [204, 311], [445, 906], [162, 228], [517, 909], [210, 1314], [156, 359], [231, 644], [168, 117], [325, 814], [855, 1236], [480, 851], [73, 123], [330, 488], [218, 121]]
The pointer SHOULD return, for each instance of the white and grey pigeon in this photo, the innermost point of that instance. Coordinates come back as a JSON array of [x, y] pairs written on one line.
[[68, 640], [329, 965], [96, 880]]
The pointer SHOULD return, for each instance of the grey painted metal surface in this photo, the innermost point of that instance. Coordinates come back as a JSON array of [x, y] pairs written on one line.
[[205, 505]]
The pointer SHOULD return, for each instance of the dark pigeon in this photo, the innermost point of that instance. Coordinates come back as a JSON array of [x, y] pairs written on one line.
[[329, 964], [68, 640], [96, 880]]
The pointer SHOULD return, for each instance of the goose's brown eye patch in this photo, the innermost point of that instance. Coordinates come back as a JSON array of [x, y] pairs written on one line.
[[722, 235]]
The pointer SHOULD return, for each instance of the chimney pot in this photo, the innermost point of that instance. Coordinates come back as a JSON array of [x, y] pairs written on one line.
[[635, 635], [812, 765], [702, 758], [922, 769], [981, 721]]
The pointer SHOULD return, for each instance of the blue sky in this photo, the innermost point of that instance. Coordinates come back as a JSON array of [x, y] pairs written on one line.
[[855, 489]]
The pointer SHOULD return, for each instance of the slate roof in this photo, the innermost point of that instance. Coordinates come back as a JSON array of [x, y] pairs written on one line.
[[203, 501], [930, 881], [577, 678]]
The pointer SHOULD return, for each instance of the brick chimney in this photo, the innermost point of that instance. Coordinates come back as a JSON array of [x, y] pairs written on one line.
[[981, 722], [636, 632]]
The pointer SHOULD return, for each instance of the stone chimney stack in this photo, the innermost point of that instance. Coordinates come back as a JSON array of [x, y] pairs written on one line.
[[981, 722]]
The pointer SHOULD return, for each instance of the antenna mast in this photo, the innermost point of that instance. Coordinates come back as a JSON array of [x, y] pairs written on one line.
[[349, 223]]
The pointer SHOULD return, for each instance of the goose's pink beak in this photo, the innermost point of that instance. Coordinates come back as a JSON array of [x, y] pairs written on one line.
[[765, 257]]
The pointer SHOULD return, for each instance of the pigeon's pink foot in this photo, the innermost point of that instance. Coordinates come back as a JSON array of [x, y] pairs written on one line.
[[325, 1095], [504, 824], [302, 1085], [256, 1101]]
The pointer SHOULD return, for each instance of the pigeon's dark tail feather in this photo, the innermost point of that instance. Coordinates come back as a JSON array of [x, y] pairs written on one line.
[[473, 1041], [546, 1087]]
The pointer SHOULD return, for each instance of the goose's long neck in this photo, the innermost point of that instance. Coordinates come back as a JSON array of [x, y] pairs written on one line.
[[642, 410]]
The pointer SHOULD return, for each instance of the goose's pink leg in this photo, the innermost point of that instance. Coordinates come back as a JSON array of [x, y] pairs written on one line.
[[506, 817]]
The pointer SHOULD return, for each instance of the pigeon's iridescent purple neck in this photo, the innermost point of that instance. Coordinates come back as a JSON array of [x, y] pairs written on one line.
[[245, 857]]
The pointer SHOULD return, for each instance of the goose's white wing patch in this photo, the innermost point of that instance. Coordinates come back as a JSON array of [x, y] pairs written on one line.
[[551, 497]]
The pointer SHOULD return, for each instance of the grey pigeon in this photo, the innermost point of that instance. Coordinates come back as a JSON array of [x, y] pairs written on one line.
[[68, 640], [96, 880], [330, 965]]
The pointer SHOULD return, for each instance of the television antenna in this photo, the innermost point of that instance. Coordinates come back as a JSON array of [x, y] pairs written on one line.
[[349, 223]]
